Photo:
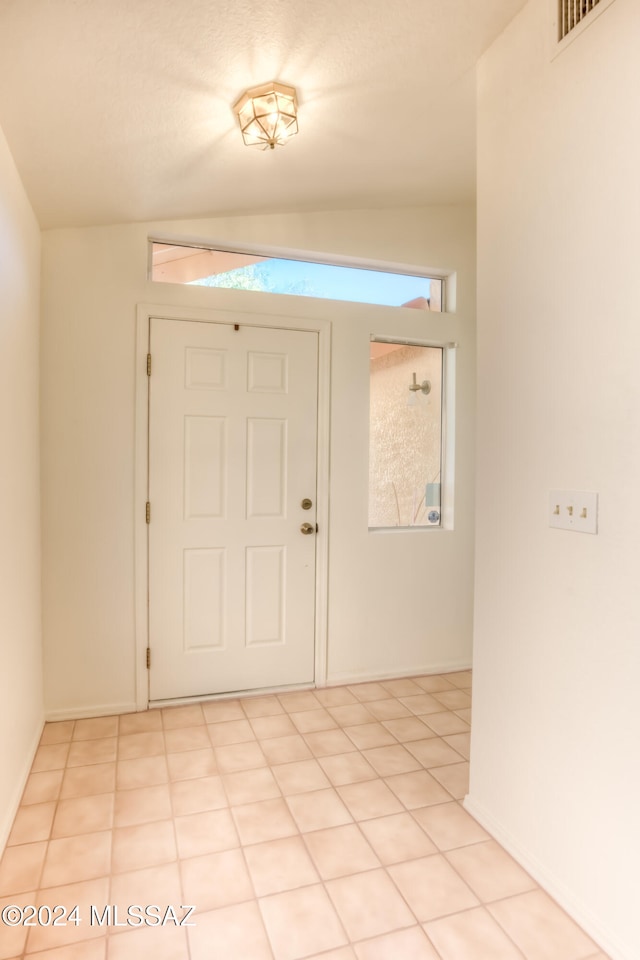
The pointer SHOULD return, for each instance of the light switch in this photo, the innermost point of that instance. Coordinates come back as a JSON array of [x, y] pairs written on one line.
[[575, 510]]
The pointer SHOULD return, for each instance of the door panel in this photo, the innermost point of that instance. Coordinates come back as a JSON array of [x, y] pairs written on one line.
[[232, 453]]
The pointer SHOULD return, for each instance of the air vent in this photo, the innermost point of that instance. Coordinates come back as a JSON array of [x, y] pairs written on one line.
[[571, 13]]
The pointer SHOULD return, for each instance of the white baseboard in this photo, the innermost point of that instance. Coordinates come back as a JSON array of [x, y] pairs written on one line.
[[449, 666], [554, 887], [9, 816], [85, 713]]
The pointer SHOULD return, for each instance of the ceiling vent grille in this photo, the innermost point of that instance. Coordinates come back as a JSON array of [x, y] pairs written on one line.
[[571, 13]]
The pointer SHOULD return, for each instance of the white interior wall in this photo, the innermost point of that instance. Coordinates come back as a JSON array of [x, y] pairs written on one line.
[[397, 602], [555, 770], [21, 699]]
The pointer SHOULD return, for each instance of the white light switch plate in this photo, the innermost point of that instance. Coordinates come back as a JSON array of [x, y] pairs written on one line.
[[575, 510]]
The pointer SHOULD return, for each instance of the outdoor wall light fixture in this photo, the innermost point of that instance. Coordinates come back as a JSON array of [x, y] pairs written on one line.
[[267, 115], [424, 387]]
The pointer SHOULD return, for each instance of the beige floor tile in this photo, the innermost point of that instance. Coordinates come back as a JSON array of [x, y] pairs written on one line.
[[85, 950], [370, 799], [369, 735], [368, 904], [215, 880], [311, 721], [453, 699], [388, 761], [335, 696], [342, 953], [159, 885], [406, 729], [239, 756], [339, 851], [473, 935], [21, 867], [222, 710], [51, 756], [88, 781], [446, 723], [464, 714], [225, 732], [83, 752], [271, 727], [454, 778], [351, 714], [198, 795], [265, 820], [410, 944], [296, 702], [250, 785], [142, 805], [328, 743], [461, 679], [397, 838], [148, 743], [262, 707], [33, 822], [434, 752], [42, 787], [279, 865], [449, 826], [71, 859], [60, 732], [208, 832], [147, 721], [301, 922], [187, 716], [369, 691], [318, 809], [403, 687], [433, 684], [388, 709], [191, 765], [144, 845], [301, 776], [422, 704], [540, 928], [347, 768], [489, 870], [83, 895], [460, 742], [285, 749], [432, 888], [142, 772], [237, 932], [83, 815], [96, 728], [149, 943]]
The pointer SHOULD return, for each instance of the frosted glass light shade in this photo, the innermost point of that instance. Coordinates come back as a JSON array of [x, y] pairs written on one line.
[[267, 115]]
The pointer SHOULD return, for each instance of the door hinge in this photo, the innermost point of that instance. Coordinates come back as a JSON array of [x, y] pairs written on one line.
[[147, 512], [148, 658], [148, 364]]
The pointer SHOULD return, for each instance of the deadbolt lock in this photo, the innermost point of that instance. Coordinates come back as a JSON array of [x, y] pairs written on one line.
[[306, 504]]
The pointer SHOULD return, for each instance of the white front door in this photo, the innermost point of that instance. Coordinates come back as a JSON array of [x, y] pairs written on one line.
[[232, 456]]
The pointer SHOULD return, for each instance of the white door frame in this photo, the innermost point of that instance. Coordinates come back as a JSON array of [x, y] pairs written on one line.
[[323, 328]]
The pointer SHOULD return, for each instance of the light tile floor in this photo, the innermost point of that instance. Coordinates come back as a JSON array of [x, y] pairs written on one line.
[[324, 824]]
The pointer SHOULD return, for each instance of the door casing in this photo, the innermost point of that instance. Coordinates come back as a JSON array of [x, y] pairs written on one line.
[[323, 329]]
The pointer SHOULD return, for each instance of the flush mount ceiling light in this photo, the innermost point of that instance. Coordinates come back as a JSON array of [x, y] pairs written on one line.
[[267, 115]]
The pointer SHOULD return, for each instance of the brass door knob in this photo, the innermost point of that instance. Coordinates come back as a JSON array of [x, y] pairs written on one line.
[[306, 528]]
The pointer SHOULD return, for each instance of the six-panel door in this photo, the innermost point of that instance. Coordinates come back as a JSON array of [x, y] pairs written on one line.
[[232, 455]]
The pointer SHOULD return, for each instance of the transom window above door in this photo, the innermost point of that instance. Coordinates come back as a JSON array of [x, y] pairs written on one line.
[[207, 267]]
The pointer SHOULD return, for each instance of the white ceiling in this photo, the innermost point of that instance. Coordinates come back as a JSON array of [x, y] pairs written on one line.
[[120, 110]]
